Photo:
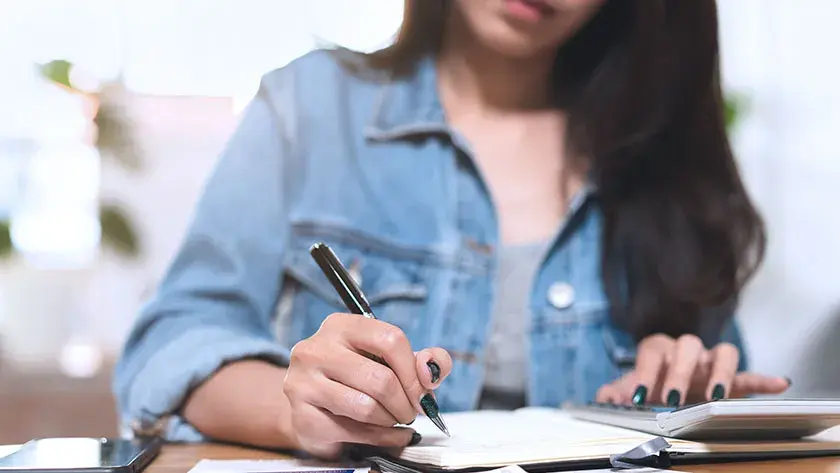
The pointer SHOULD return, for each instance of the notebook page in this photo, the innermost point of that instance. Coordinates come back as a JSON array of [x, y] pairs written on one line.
[[274, 466], [486, 438]]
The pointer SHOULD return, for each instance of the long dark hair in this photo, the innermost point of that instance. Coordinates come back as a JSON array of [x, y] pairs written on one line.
[[641, 88]]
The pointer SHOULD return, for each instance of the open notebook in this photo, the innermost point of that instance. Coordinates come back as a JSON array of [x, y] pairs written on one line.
[[542, 439]]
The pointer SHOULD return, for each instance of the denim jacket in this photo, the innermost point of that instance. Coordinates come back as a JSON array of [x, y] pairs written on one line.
[[369, 165]]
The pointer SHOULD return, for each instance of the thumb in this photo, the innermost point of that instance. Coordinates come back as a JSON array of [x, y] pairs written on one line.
[[746, 384], [433, 366]]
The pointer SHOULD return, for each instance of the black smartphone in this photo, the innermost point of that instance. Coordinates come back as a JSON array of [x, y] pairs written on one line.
[[82, 455]]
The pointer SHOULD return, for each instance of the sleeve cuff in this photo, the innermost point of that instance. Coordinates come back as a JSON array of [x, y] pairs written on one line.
[[161, 386]]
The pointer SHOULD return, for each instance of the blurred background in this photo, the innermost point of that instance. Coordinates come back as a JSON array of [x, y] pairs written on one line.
[[112, 113]]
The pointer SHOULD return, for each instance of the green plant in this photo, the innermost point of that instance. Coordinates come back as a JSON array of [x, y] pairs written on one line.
[[117, 231], [734, 106], [6, 247], [114, 141]]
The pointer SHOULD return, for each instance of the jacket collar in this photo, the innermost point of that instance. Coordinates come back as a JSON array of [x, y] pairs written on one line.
[[408, 105]]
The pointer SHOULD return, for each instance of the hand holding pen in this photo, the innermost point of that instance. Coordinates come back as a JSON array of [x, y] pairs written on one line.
[[357, 379]]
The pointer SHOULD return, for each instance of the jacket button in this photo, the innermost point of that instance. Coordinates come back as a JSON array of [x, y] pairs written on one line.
[[561, 295]]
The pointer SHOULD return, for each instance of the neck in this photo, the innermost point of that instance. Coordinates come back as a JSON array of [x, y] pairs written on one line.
[[489, 80]]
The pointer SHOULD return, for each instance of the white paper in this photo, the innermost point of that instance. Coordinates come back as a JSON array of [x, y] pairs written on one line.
[[271, 466], [493, 438], [517, 469], [6, 450], [485, 430]]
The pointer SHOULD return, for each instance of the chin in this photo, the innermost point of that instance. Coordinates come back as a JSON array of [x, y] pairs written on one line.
[[516, 44], [515, 35]]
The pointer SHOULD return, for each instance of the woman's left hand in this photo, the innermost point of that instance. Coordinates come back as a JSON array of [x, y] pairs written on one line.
[[682, 371]]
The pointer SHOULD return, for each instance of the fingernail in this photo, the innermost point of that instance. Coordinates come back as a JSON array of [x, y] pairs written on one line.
[[674, 398], [429, 405], [434, 369], [415, 439], [640, 395], [789, 381], [717, 392], [412, 421]]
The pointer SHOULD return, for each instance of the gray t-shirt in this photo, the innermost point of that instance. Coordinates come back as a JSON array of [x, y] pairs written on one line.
[[507, 352]]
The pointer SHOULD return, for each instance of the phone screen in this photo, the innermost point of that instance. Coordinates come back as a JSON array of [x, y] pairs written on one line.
[[76, 453]]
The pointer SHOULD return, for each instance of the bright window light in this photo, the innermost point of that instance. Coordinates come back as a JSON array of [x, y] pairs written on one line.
[[57, 221], [189, 47], [360, 25], [80, 360], [158, 47], [185, 48]]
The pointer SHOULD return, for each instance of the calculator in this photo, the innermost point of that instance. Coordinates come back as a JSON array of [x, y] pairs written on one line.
[[726, 419]]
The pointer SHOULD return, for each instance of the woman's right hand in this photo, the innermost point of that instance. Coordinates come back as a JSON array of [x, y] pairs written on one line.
[[338, 395]]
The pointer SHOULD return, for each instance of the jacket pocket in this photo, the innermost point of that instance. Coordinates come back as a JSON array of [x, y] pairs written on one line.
[[397, 289]]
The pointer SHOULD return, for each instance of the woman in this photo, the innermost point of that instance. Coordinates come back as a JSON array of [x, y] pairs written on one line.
[[542, 190]]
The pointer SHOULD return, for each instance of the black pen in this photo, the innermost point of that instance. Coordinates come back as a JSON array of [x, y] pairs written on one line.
[[357, 303]]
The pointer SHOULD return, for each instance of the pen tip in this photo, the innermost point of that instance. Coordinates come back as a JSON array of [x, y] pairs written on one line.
[[438, 421]]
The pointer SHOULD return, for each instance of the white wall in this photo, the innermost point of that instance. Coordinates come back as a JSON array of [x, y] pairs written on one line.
[[783, 55], [174, 56], [181, 138]]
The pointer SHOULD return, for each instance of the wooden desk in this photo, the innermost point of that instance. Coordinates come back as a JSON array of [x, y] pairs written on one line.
[[180, 458]]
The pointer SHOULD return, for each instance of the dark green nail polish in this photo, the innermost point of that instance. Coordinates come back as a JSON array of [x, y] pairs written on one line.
[[717, 392], [674, 398], [790, 381], [429, 405], [415, 439], [434, 369], [640, 396]]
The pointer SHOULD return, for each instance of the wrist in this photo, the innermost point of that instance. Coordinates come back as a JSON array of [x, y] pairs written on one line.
[[244, 403], [284, 423]]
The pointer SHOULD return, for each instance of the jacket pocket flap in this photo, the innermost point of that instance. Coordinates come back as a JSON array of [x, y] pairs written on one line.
[[381, 279]]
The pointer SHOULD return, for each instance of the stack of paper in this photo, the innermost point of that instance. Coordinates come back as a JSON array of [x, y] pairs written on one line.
[[496, 438], [6, 450], [536, 439], [489, 439]]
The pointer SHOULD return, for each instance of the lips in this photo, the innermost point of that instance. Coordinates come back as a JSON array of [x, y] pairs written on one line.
[[542, 5], [530, 10]]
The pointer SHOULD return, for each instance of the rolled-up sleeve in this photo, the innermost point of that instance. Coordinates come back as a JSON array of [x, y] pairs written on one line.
[[216, 301]]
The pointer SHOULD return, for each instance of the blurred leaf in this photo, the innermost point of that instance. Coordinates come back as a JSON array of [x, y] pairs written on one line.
[[114, 137], [734, 106], [58, 71], [114, 140], [117, 231], [6, 247]]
